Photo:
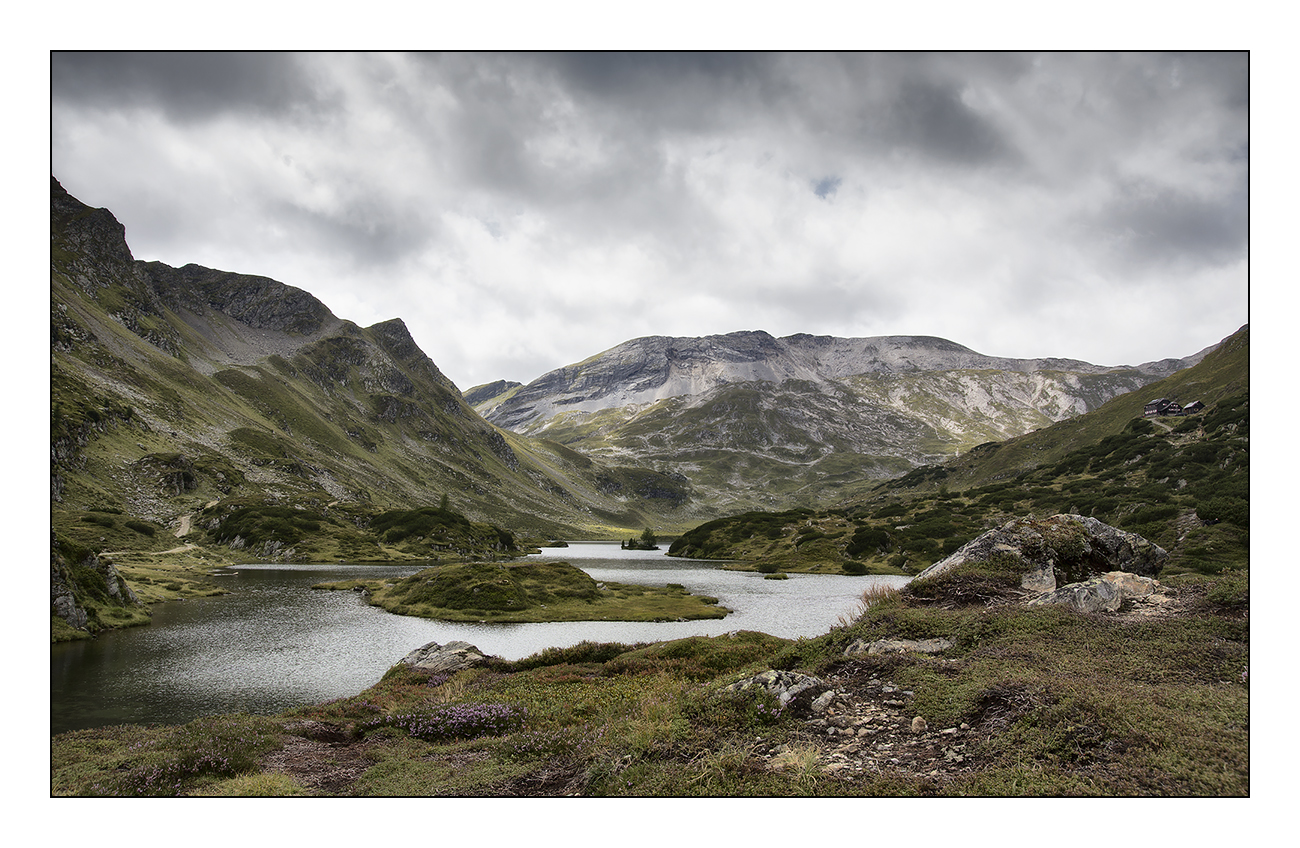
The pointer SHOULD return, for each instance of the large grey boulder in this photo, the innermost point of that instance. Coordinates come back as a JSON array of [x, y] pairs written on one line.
[[447, 658], [1101, 594], [1055, 551]]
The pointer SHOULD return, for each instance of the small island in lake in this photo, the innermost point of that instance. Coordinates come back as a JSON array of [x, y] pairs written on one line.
[[646, 542], [528, 593]]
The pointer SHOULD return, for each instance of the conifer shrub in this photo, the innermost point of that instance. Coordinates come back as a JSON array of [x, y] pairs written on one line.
[[868, 540], [142, 527], [396, 525], [1233, 510], [260, 523], [584, 652]]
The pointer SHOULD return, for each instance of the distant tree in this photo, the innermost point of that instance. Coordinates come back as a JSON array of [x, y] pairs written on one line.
[[444, 503], [646, 542]]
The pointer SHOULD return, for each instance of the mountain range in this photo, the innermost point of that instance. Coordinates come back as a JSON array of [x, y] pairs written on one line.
[[181, 394], [755, 421]]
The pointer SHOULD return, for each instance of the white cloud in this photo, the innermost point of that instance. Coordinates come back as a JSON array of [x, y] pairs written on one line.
[[524, 212]]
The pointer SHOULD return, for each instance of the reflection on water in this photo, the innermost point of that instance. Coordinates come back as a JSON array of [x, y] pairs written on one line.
[[275, 643]]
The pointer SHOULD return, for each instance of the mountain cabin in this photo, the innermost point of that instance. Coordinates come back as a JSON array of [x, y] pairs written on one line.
[[1162, 406]]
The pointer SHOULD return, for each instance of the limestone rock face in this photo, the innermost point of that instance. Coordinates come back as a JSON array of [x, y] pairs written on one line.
[[1059, 550], [450, 657]]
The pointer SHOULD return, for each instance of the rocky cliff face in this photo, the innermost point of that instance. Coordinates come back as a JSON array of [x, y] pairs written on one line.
[[749, 411], [655, 368]]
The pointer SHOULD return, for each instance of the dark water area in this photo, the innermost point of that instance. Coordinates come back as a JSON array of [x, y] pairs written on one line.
[[275, 643]]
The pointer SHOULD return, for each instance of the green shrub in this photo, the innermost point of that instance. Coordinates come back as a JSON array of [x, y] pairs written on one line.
[[141, 527], [462, 586], [890, 511], [584, 652], [396, 525], [1230, 509], [868, 540]]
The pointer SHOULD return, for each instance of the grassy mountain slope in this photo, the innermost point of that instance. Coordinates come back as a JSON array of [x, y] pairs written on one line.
[[1222, 373], [1182, 482], [180, 396]]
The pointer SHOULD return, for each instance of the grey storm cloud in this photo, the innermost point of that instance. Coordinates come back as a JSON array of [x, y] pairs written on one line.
[[969, 195], [189, 87]]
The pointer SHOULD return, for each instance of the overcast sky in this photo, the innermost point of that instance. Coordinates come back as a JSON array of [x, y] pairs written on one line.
[[523, 212]]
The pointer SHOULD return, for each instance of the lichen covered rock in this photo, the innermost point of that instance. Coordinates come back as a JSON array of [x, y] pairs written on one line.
[[784, 685], [1051, 552], [1101, 594], [897, 646], [450, 657]]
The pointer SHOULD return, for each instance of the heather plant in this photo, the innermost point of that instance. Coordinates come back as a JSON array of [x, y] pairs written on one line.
[[191, 755], [454, 721], [549, 743]]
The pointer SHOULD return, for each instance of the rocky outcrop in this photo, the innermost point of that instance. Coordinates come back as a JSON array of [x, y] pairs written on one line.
[[783, 685], [1101, 594], [897, 646], [489, 391], [1053, 552], [81, 580], [254, 301], [445, 659]]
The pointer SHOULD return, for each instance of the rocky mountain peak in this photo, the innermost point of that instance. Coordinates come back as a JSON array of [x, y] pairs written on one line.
[[257, 302], [94, 231]]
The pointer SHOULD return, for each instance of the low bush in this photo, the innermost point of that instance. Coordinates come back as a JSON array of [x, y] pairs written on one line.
[[141, 527], [454, 721], [178, 759], [583, 652]]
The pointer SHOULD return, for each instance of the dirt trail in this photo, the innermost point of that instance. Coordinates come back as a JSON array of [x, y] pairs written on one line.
[[186, 521]]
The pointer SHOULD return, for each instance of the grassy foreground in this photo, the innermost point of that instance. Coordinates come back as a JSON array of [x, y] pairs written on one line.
[[1028, 701]]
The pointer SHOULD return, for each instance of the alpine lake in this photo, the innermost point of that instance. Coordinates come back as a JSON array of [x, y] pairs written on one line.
[[275, 643]]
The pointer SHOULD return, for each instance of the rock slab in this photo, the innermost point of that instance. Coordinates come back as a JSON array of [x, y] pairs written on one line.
[[447, 658], [1101, 594]]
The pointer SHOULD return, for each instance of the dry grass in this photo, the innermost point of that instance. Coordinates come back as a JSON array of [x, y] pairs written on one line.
[[875, 594]]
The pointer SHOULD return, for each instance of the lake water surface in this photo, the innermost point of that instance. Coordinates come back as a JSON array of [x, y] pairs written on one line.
[[275, 643]]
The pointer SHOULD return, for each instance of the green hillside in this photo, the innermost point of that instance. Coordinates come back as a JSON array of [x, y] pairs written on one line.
[[1182, 482], [187, 401]]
